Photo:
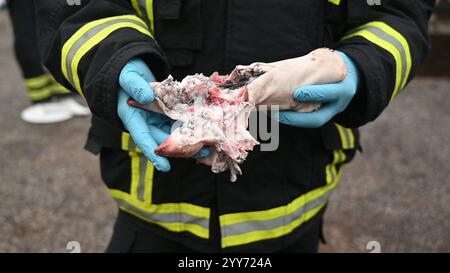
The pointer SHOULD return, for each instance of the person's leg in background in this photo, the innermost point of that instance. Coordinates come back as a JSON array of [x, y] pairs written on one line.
[[51, 102]]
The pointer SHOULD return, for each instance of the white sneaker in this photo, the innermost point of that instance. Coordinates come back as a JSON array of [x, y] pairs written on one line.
[[53, 111], [3, 4], [75, 107]]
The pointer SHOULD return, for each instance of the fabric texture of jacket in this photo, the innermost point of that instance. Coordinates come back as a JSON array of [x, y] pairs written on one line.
[[281, 192]]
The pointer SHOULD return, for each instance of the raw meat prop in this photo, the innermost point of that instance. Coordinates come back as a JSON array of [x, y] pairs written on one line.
[[214, 110]]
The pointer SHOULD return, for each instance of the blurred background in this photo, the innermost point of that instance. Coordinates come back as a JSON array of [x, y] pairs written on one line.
[[396, 193]]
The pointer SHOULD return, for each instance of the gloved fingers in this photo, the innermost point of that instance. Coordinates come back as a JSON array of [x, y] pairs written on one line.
[[143, 69], [144, 137], [319, 93], [123, 109], [308, 120], [136, 87], [204, 152], [166, 128], [157, 119], [135, 121], [353, 75], [159, 134]]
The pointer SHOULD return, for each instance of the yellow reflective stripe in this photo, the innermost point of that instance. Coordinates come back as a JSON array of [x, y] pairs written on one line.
[[37, 82], [90, 40], [397, 35], [149, 9], [82, 31], [176, 217], [347, 137], [234, 218], [148, 191], [392, 41], [125, 141], [352, 138], [388, 47], [43, 86], [194, 210], [141, 177], [240, 217], [335, 2], [167, 208], [136, 7], [258, 235], [342, 158], [343, 136], [39, 94], [58, 88], [336, 160], [283, 211], [144, 8], [134, 173], [330, 169], [96, 40], [174, 227]]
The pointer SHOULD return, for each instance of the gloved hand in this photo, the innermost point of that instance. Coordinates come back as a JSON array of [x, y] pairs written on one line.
[[282, 78], [334, 97], [148, 129]]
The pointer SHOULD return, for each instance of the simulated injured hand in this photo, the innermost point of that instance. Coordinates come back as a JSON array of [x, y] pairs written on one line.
[[281, 79], [214, 110]]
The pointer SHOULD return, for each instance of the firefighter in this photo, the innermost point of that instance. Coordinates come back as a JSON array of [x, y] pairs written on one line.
[[50, 101], [108, 51]]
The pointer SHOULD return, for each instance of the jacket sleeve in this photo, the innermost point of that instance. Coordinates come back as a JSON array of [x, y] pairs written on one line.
[[85, 44], [388, 40]]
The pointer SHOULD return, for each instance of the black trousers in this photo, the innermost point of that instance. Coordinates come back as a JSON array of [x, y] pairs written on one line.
[[40, 85], [131, 236], [22, 13]]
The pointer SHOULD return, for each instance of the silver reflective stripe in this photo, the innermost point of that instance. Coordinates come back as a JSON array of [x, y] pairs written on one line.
[[143, 6], [164, 217], [142, 181], [347, 138], [250, 226], [332, 169], [131, 144], [88, 35], [392, 40]]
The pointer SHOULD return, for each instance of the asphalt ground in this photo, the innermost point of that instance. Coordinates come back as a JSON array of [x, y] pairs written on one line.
[[396, 193]]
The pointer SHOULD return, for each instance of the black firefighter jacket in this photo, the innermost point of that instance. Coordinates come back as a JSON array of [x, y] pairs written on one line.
[[85, 44]]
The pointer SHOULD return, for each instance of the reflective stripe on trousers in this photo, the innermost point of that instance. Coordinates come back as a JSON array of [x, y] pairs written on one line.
[[42, 87]]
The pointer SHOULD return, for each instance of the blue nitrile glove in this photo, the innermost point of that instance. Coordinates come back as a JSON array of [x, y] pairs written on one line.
[[334, 97], [148, 129]]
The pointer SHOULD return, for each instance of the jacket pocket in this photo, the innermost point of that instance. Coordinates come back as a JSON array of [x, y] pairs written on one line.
[[178, 29]]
